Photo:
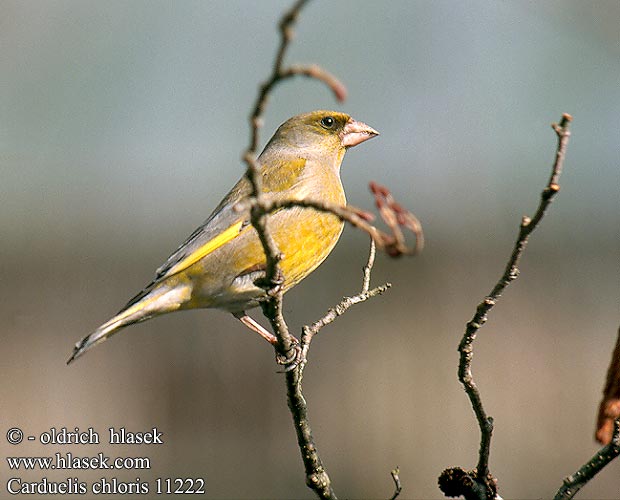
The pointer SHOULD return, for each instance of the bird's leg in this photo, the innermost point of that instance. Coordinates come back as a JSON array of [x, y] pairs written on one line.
[[298, 356], [256, 327]]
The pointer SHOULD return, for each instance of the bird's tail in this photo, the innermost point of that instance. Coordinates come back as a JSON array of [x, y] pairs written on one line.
[[160, 300]]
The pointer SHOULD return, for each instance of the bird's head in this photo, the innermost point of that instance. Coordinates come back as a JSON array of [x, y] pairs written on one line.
[[323, 132]]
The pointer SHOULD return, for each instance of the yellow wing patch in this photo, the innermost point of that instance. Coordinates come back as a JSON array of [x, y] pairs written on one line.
[[206, 249]]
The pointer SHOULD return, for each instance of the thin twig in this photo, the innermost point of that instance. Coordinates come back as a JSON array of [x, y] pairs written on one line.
[[308, 332], [392, 213], [572, 484], [481, 473], [397, 486], [279, 73], [317, 73]]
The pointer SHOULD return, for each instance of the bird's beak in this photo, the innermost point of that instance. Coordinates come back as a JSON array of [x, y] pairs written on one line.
[[355, 133]]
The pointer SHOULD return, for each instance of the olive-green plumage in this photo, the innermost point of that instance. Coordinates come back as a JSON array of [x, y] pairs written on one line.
[[217, 266]]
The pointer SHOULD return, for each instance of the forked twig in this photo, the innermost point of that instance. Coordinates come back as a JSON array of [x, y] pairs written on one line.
[[480, 475], [280, 73], [308, 332], [392, 213]]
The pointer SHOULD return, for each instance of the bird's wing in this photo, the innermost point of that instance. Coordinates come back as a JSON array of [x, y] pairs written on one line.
[[227, 222], [224, 224]]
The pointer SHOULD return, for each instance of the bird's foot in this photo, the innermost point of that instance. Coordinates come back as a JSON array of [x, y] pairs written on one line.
[[272, 287], [294, 358]]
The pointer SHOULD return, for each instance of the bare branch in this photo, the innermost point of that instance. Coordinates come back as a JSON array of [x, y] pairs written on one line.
[[572, 484], [317, 73], [279, 73], [397, 486], [481, 473], [316, 475], [308, 332]]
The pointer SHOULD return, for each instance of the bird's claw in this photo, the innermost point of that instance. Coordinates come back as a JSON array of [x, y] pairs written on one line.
[[276, 284], [271, 287], [275, 290], [294, 358]]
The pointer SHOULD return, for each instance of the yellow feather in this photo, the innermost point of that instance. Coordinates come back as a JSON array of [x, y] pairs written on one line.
[[211, 245]]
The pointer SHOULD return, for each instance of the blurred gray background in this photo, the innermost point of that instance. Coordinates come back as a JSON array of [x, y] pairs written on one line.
[[121, 127]]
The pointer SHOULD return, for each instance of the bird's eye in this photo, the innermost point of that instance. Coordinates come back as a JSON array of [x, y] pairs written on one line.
[[328, 122]]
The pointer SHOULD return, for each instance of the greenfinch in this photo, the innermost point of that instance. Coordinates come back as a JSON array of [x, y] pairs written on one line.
[[222, 261]]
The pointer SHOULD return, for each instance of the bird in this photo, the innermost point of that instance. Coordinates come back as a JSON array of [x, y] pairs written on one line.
[[221, 263]]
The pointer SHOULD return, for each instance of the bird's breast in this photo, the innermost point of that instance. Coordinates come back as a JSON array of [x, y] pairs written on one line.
[[305, 237]]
